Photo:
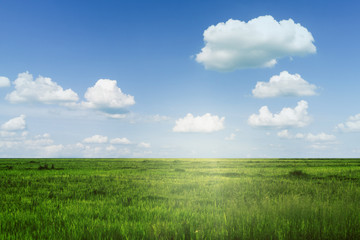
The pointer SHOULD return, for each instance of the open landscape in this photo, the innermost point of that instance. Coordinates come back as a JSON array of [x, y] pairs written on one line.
[[181, 120], [179, 198]]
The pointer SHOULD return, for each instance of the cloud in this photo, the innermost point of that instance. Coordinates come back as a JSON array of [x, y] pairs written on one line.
[[120, 141], [110, 148], [4, 134], [321, 137], [144, 145], [258, 43], [51, 150], [98, 151], [42, 90], [157, 118], [21, 145], [284, 84], [352, 124], [107, 97], [288, 117], [96, 139], [284, 134], [206, 123], [4, 82], [231, 137], [15, 124]]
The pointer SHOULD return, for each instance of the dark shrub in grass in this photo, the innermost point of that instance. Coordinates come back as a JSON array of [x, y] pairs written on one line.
[[179, 170], [298, 173]]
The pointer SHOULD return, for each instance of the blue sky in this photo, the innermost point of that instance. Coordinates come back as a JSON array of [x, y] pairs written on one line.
[[185, 76]]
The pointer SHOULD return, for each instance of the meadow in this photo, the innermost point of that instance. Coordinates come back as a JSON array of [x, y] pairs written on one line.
[[179, 198]]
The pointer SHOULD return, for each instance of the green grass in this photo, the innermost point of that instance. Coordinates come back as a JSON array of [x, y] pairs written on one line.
[[179, 199]]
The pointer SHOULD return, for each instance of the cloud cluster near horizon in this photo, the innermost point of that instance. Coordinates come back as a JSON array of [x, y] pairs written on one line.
[[14, 137], [257, 43], [321, 137]]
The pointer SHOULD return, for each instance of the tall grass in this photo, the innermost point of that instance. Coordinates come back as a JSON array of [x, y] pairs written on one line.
[[179, 199]]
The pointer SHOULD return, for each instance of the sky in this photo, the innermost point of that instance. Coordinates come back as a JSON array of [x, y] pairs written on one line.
[[237, 79]]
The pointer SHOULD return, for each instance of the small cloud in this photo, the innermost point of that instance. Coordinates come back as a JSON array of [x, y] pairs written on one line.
[[318, 146], [231, 137], [15, 124], [4, 82], [288, 117], [322, 137], [144, 145], [51, 150], [115, 116], [351, 125], [158, 118], [284, 134], [110, 148], [206, 123], [257, 43], [299, 136], [120, 141], [42, 90], [285, 84], [96, 139]]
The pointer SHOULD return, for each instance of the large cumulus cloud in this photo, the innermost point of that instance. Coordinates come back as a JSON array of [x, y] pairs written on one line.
[[42, 90], [257, 43]]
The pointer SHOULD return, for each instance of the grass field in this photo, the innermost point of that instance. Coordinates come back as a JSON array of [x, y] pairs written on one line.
[[180, 199]]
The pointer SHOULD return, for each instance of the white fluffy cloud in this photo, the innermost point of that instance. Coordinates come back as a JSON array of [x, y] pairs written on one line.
[[258, 43], [106, 96], [352, 124], [321, 137], [15, 124], [206, 123], [284, 84], [42, 90], [120, 141], [288, 117], [96, 139], [4, 82]]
